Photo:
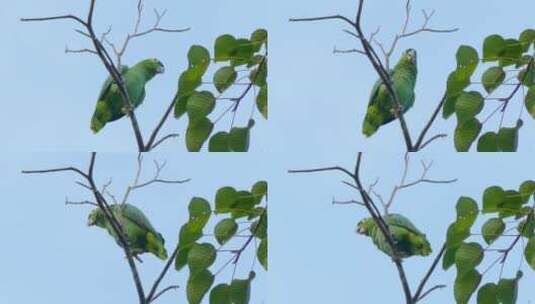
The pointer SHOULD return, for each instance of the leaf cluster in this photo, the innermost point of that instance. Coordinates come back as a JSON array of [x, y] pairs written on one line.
[[467, 102], [234, 57], [232, 205], [498, 204]]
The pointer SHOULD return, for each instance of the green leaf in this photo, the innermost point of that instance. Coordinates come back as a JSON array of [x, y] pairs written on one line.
[[467, 257], [258, 38], [224, 78], [526, 190], [465, 286], [467, 211], [527, 38], [225, 199], [449, 105], [526, 228], [200, 257], [492, 229], [188, 235], [262, 102], [198, 206], [456, 234], [198, 56], [197, 133], [529, 253], [199, 105], [180, 105], [258, 76], [259, 227], [244, 204], [488, 294], [468, 105], [198, 285], [181, 259], [239, 138], [243, 52], [458, 231], [493, 197], [240, 290], [527, 78], [449, 257], [508, 138], [220, 294], [530, 101], [191, 79], [511, 204], [219, 142], [493, 78], [467, 58], [224, 47], [493, 47], [508, 290], [512, 52], [225, 230], [488, 142], [465, 134], [458, 80], [259, 190], [262, 253]]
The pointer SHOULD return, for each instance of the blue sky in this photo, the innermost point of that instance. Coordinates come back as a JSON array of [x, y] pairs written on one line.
[[317, 103]]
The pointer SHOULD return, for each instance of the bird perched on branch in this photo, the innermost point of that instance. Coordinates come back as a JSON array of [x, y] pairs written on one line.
[[141, 236], [110, 105], [408, 240], [381, 107]]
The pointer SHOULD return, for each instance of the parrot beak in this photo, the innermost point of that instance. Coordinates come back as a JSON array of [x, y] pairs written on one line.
[[360, 229], [161, 69]]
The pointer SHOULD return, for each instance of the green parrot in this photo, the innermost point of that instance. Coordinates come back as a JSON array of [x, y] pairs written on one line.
[[142, 237], [409, 241], [381, 105], [110, 105]]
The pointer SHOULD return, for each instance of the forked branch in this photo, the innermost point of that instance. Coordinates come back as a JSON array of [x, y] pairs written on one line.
[[114, 66], [115, 222], [371, 207], [382, 67]]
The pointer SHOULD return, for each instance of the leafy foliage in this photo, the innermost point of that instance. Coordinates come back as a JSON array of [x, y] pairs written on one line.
[[240, 68], [498, 204], [232, 205], [508, 59]]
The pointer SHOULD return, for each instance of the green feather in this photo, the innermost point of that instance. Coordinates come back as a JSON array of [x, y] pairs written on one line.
[[110, 105], [381, 106], [409, 241], [141, 235]]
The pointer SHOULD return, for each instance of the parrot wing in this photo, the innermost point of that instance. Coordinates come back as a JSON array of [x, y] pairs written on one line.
[[379, 108], [108, 83], [107, 104], [137, 217]]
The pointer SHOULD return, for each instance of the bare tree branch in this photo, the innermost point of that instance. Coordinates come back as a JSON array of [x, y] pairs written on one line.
[[374, 212], [115, 221], [109, 215], [114, 67], [383, 68], [418, 294]]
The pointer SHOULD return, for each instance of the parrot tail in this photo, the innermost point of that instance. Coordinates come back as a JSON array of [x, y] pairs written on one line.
[[372, 121], [96, 125], [101, 116]]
